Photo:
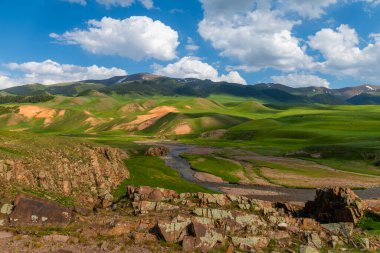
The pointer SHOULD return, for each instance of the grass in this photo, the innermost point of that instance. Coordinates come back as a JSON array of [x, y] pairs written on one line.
[[371, 223], [348, 135], [152, 171], [217, 166]]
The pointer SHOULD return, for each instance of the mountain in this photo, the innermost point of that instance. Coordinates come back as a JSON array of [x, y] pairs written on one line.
[[150, 84]]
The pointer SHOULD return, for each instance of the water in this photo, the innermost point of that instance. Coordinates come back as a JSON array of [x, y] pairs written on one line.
[[269, 193]]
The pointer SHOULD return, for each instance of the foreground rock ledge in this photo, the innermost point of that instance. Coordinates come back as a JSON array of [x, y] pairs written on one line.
[[196, 222]]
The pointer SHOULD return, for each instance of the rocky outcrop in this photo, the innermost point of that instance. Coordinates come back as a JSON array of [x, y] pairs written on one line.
[[197, 222], [87, 173], [29, 210], [335, 205], [157, 151]]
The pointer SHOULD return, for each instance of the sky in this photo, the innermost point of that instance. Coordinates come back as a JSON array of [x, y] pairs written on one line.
[[330, 43]]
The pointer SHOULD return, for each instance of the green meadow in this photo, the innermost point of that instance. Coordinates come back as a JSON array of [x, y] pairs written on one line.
[[343, 137]]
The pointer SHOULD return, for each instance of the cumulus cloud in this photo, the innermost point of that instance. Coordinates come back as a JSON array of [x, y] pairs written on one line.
[[6, 82], [137, 37], [343, 56], [255, 34], [192, 67], [301, 80], [307, 9], [50, 72]]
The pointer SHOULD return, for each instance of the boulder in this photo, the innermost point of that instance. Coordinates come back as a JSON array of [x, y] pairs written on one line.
[[205, 235], [335, 205], [157, 151], [150, 193], [29, 210], [343, 228], [173, 230], [250, 243]]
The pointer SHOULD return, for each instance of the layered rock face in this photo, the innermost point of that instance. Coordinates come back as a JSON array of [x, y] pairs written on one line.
[[336, 205], [87, 173]]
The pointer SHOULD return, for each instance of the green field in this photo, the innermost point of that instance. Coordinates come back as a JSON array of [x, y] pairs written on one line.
[[217, 166], [151, 171]]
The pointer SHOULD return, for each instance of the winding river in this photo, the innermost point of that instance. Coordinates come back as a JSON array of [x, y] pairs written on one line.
[[263, 192]]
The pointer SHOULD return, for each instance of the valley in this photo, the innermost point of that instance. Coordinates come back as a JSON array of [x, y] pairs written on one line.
[[88, 149]]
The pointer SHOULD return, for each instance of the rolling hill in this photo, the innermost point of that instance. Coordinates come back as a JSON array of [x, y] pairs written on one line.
[[145, 84]]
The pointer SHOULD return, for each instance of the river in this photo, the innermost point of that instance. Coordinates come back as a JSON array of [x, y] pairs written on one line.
[[263, 192]]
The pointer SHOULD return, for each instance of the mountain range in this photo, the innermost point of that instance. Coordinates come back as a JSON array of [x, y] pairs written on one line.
[[150, 84]]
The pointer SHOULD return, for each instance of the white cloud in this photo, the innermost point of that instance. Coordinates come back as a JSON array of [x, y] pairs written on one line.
[[6, 82], [50, 72], [81, 2], [251, 32], [343, 56], [191, 46], [137, 37], [301, 80], [125, 3], [115, 3], [192, 67], [307, 9]]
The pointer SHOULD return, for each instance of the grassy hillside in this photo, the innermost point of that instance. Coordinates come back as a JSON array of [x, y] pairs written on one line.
[[341, 136]]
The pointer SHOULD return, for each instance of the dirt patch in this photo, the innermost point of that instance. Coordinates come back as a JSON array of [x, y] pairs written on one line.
[[38, 112], [182, 129], [206, 177], [144, 121]]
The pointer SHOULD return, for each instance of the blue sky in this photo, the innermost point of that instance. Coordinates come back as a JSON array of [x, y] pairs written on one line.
[[331, 43]]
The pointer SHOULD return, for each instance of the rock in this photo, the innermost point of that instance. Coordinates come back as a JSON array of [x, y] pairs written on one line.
[[150, 194], [256, 242], [282, 226], [308, 224], [307, 249], [335, 205], [364, 243], [174, 230], [218, 199], [5, 235], [288, 208], [344, 228], [157, 151], [6, 209], [144, 207], [205, 235], [93, 170], [30, 210], [313, 240], [335, 241]]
